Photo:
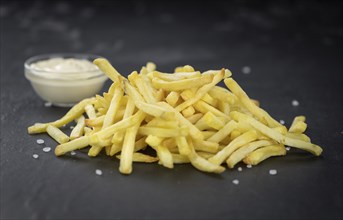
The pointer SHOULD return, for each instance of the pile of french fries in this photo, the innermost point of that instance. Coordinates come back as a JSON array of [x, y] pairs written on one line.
[[183, 116]]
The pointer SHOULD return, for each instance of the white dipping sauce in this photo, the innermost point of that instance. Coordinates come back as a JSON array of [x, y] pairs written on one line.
[[65, 81]]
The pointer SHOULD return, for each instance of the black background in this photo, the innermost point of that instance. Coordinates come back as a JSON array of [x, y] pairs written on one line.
[[294, 50]]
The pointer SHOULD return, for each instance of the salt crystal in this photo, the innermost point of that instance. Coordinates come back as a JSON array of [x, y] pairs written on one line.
[[272, 172], [35, 156], [235, 181], [47, 149], [239, 169], [71, 127], [73, 153], [249, 165], [98, 172], [246, 70], [47, 104], [282, 122], [288, 148], [295, 103], [40, 141]]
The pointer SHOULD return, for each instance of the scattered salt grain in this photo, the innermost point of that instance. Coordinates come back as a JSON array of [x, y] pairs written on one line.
[[288, 148], [272, 172], [47, 149], [71, 127], [235, 181], [249, 165], [73, 153], [47, 104], [246, 70], [98, 172], [35, 156], [295, 103], [282, 122], [239, 169], [40, 141]]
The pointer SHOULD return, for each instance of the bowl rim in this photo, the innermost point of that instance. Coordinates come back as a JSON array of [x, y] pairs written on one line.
[[81, 56]]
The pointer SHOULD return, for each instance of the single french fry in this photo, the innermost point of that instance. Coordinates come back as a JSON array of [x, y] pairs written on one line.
[[114, 106], [158, 122], [125, 166], [187, 112], [176, 76], [206, 146], [109, 70], [95, 122], [223, 94], [78, 129], [75, 144], [263, 153], [172, 98], [209, 100], [139, 157], [223, 132], [90, 111], [57, 134], [163, 132], [143, 87], [165, 157], [180, 159], [181, 84], [302, 137], [298, 125]]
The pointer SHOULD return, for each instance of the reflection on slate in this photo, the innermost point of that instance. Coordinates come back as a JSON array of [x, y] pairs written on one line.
[[279, 51]]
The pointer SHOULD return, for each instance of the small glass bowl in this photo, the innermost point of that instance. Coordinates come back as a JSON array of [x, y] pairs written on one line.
[[61, 88]]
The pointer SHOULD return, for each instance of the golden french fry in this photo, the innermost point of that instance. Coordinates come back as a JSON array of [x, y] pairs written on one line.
[[298, 125], [127, 151], [139, 157], [78, 129], [243, 151], [90, 111], [113, 108], [163, 132], [181, 84], [246, 101], [57, 134], [223, 132], [73, 113], [109, 70], [243, 139], [282, 139], [165, 157], [75, 144], [263, 153]]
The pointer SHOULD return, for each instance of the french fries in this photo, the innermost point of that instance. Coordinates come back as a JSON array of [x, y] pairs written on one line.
[[184, 117]]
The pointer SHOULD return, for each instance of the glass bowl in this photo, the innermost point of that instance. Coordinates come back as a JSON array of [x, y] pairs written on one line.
[[67, 85]]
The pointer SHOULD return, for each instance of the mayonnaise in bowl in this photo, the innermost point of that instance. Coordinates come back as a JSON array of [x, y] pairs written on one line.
[[64, 79]]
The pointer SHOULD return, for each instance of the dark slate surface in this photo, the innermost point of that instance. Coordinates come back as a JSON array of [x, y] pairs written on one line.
[[294, 50]]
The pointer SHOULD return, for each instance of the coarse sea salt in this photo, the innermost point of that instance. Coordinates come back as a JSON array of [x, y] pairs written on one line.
[[249, 165], [239, 169], [295, 103], [40, 141], [98, 172], [282, 122], [47, 104], [35, 156], [235, 181], [73, 153], [246, 70], [46, 149], [273, 172], [288, 148]]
